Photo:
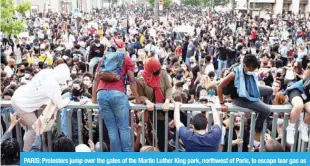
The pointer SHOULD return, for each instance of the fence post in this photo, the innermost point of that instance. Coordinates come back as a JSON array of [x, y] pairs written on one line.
[[252, 131], [49, 141], [58, 122], [90, 124], [221, 119], [143, 129], [274, 125], [132, 134], [231, 130], [100, 130], [210, 120], [285, 124], [240, 147], [188, 118], [80, 124], [154, 127], [166, 131], [309, 143], [69, 126], [262, 136], [19, 135]]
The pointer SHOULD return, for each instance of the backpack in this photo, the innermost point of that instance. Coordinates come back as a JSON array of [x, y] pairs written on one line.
[[111, 66]]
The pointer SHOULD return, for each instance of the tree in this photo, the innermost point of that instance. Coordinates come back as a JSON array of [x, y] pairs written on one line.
[[220, 2], [166, 2], [206, 2], [192, 2], [10, 24]]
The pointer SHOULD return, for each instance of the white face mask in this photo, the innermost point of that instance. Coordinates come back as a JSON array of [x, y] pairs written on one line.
[[250, 73], [97, 45], [280, 121], [243, 52]]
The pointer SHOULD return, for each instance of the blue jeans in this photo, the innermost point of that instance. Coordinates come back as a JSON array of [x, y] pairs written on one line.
[[221, 66], [114, 109], [260, 107]]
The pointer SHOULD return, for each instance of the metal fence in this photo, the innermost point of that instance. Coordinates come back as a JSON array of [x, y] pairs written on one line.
[[298, 146]]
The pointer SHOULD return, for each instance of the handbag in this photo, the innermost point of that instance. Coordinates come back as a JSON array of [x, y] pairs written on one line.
[[47, 118]]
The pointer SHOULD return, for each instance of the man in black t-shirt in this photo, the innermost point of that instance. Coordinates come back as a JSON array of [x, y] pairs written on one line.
[[95, 54], [76, 52], [222, 58]]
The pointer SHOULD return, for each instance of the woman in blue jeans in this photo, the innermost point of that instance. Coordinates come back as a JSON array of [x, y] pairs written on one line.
[[243, 88]]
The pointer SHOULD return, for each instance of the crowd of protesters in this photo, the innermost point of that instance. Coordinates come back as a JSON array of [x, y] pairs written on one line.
[[189, 56]]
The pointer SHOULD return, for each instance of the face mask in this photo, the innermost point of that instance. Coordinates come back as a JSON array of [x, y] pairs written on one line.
[[236, 127], [97, 45], [280, 121], [75, 92], [243, 52], [156, 73], [211, 92], [250, 73]]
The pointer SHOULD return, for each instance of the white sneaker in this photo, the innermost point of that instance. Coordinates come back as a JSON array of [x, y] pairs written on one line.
[[303, 128], [290, 135]]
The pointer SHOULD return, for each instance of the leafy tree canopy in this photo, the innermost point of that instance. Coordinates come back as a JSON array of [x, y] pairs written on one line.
[[10, 24]]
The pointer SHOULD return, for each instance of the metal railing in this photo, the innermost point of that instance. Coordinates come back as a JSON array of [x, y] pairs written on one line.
[[298, 146]]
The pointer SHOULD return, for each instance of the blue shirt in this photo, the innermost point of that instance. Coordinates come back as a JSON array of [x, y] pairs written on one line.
[[195, 142]]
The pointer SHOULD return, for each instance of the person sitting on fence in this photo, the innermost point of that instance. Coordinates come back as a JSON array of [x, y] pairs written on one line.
[[242, 86], [200, 140], [43, 88], [299, 97], [10, 148]]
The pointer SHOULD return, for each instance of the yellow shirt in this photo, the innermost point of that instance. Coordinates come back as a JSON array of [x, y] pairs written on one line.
[[142, 38], [48, 60], [100, 32], [30, 60]]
